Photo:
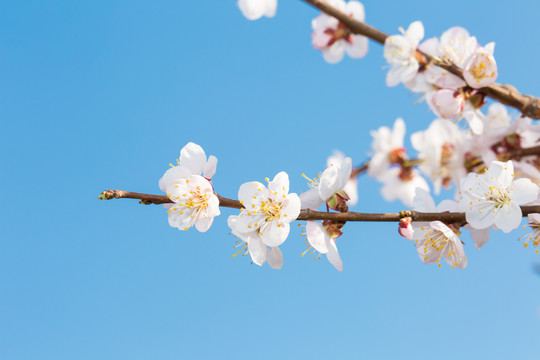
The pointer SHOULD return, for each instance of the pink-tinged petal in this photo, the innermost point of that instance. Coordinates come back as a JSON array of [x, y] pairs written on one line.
[[279, 186], [174, 173], [430, 45], [356, 10], [534, 218], [274, 233], [523, 191], [508, 217], [290, 208], [334, 53], [257, 250], [423, 202], [503, 172], [311, 199], [480, 69], [406, 230], [317, 236], [479, 237], [447, 103], [359, 47], [447, 80], [333, 255], [210, 168], [203, 224], [415, 32], [193, 157], [274, 258]]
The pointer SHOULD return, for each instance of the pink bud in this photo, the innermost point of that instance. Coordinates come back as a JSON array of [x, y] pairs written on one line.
[[405, 228], [447, 103]]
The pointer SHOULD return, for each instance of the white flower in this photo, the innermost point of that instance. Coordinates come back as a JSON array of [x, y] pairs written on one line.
[[334, 38], [332, 180], [321, 241], [494, 198], [387, 146], [534, 236], [255, 9], [351, 187], [480, 69], [435, 239], [260, 253], [194, 203], [400, 53], [446, 103], [441, 149], [192, 162], [402, 185], [268, 210]]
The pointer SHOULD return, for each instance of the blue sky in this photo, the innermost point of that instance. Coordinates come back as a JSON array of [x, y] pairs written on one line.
[[104, 94]]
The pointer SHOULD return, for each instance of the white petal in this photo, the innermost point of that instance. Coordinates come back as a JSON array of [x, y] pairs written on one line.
[[317, 236], [210, 168], [523, 191], [329, 182], [334, 53], [311, 199], [274, 233], [501, 171], [359, 47], [252, 193], [333, 256], [204, 224], [174, 173], [257, 250], [275, 258], [479, 237], [423, 202], [508, 217], [290, 207], [279, 186], [193, 157], [415, 32]]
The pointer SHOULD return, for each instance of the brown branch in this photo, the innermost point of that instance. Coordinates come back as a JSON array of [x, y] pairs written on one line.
[[446, 217], [505, 94]]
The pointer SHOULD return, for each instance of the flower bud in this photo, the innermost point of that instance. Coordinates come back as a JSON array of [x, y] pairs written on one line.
[[447, 103]]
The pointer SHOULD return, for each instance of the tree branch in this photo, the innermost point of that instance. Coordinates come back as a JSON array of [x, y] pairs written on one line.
[[505, 94], [446, 217]]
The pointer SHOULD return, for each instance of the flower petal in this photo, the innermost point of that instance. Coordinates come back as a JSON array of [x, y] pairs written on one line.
[[523, 191], [210, 168], [311, 199], [274, 233], [193, 157], [317, 236], [275, 258], [257, 250], [333, 255], [508, 217]]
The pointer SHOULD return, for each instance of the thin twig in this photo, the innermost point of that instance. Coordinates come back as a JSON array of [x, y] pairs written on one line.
[[446, 217], [505, 94]]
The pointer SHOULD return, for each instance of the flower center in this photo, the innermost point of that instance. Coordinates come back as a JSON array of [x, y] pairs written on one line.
[[478, 72], [272, 209], [342, 32], [498, 196]]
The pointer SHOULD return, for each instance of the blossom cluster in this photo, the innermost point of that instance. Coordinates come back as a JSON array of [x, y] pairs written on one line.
[[483, 160]]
